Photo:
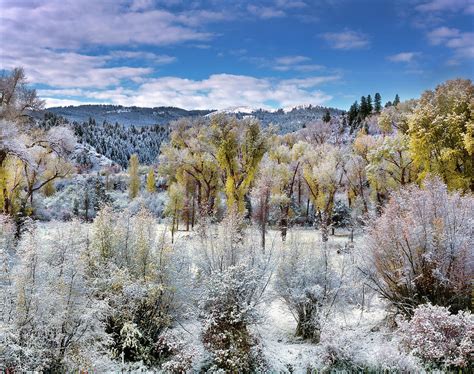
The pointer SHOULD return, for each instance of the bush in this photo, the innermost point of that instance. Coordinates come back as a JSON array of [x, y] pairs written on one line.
[[421, 248], [440, 338], [229, 312]]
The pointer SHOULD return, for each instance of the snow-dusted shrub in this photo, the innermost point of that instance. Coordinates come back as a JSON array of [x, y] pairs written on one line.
[[176, 356], [154, 202], [234, 272], [421, 248], [356, 349], [137, 273], [310, 285], [440, 338], [53, 323], [229, 312]]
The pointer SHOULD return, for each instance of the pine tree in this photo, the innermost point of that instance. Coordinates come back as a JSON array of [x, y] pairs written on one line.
[[327, 116], [396, 101], [134, 182], [377, 103], [363, 109], [370, 108], [353, 114], [150, 181]]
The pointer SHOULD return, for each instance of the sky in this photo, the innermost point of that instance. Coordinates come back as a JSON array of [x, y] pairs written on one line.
[[220, 54]]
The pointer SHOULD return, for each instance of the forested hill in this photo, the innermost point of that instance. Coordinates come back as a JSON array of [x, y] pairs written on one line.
[[126, 116], [287, 120]]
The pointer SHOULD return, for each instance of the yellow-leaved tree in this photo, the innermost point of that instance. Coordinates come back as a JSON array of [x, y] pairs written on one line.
[[240, 147], [134, 177], [441, 131]]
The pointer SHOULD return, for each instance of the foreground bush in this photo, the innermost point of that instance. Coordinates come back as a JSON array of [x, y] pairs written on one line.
[[440, 338], [421, 248]]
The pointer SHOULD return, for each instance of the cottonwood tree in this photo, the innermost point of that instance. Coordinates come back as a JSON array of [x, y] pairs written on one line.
[[190, 160], [285, 161], [261, 193], [390, 164], [323, 174], [421, 248], [441, 130], [240, 145], [42, 153]]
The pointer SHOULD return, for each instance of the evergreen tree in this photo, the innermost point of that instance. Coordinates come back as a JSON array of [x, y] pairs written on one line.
[[100, 196], [370, 108], [353, 114], [388, 104], [134, 181], [396, 101], [364, 108], [377, 103], [327, 116]]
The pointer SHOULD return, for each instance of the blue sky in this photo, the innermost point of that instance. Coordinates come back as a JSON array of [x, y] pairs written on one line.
[[221, 54]]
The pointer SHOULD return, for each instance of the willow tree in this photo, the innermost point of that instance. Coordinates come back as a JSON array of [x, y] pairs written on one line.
[[441, 131], [240, 146]]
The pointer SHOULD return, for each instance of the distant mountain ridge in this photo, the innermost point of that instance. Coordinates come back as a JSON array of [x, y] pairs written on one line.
[[288, 120]]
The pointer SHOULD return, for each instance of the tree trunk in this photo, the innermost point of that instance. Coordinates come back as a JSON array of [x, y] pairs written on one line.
[[193, 213], [324, 227], [284, 221]]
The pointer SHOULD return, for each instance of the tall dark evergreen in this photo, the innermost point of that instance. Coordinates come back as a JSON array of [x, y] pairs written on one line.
[[327, 116], [364, 108], [370, 107], [397, 100], [353, 115], [377, 103]]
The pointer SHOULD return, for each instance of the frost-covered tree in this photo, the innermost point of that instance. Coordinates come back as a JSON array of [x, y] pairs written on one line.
[[421, 248], [323, 174]]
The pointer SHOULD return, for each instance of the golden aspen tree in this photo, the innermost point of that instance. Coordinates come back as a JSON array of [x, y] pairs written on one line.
[[134, 177], [150, 181]]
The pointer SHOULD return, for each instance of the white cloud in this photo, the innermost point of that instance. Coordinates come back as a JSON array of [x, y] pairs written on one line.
[[403, 57], [284, 63], [265, 12], [219, 91], [346, 40], [466, 6], [51, 102], [291, 60], [69, 69], [73, 24], [462, 43]]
